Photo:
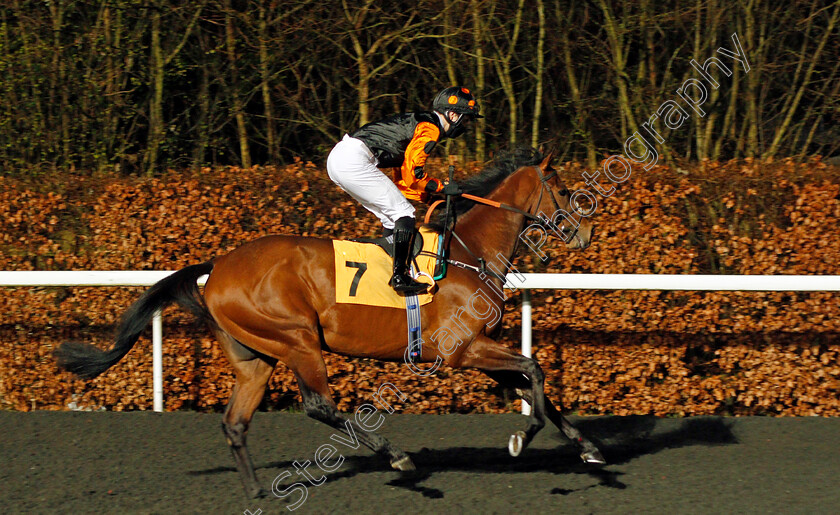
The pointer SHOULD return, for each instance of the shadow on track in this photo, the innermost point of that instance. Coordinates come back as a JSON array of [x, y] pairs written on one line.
[[625, 438], [621, 440]]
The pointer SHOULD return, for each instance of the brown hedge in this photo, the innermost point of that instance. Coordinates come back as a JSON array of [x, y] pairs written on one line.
[[604, 352]]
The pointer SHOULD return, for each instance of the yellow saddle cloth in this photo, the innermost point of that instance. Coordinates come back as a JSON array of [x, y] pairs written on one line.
[[363, 270]]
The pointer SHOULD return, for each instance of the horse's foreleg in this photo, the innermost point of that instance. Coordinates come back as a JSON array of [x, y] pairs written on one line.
[[489, 356], [589, 453], [311, 373], [252, 374]]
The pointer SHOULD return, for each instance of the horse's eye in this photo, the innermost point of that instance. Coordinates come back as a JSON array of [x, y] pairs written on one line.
[[564, 192]]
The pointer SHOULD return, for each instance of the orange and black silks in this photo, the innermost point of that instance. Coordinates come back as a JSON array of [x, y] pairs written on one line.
[[404, 141]]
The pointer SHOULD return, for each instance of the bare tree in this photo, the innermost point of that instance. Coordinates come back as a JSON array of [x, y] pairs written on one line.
[[160, 57], [580, 115], [801, 81], [504, 38], [478, 31], [234, 90], [377, 37], [538, 76]]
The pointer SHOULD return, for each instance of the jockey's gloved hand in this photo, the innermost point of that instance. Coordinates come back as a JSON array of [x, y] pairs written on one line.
[[452, 188]]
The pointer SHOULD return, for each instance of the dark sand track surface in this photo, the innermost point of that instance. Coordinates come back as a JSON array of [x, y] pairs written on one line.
[[141, 462]]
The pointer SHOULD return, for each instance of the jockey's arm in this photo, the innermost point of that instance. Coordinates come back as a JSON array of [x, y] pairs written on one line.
[[412, 175]]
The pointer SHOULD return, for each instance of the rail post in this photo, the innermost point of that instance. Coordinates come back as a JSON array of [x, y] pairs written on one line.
[[526, 336], [157, 361]]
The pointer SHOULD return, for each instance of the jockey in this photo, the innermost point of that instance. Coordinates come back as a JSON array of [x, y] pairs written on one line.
[[402, 141]]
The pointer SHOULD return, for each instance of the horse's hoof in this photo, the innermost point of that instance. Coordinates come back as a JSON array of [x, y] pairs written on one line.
[[516, 443], [404, 464], [593, 457]]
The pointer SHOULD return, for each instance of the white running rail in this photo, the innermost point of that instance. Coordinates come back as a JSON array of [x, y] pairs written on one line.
[[531, 281]]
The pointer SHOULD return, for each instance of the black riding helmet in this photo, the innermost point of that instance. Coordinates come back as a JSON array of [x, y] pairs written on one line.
[[459, 100]]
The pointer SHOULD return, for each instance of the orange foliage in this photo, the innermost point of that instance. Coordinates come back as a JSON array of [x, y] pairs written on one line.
[[617, 352]]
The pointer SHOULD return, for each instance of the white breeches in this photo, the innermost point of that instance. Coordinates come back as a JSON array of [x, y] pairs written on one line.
[[352, 166]]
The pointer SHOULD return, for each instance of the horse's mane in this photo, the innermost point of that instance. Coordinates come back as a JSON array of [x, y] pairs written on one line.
[[484, 182]]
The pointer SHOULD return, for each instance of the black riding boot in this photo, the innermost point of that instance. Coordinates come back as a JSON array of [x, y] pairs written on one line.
[[403, 242]]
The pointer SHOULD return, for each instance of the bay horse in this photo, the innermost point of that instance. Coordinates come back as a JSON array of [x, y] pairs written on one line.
[[274, 299]]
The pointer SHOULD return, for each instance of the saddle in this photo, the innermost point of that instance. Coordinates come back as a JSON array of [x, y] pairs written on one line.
[[362, 273], [363, 269]]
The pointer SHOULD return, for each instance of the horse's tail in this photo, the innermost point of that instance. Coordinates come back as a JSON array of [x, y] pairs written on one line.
[[87, 361]]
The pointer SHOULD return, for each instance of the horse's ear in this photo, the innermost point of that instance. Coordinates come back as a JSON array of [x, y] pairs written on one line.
[[546, 162]]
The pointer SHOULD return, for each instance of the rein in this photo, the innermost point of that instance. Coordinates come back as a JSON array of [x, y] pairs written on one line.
[[482, 268], [499, 205]]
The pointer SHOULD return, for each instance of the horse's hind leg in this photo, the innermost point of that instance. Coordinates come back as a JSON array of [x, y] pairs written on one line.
[[252, 374], [589, 453], [311, 374], [489, 356]]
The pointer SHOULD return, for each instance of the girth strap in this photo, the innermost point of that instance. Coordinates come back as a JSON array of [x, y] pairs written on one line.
[[415, 327]]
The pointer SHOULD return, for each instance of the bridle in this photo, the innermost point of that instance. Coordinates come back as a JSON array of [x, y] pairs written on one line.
[[565, 191]]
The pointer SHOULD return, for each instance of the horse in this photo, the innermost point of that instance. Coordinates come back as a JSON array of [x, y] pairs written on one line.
[[274, 300]]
